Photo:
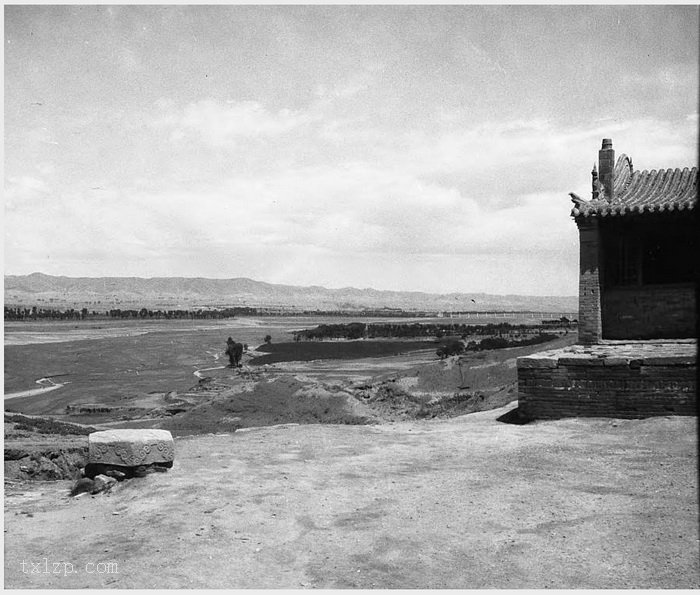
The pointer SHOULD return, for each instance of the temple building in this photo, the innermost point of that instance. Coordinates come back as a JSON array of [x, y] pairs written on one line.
[[637, 252], [637, 345]]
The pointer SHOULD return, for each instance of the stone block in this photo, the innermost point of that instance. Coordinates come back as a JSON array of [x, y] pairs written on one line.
[[537, 360], [529, 363], [580, 361], [616, 361], [130, 448]]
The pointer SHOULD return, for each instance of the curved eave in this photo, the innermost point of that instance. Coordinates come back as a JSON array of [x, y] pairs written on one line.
[[623, 211]]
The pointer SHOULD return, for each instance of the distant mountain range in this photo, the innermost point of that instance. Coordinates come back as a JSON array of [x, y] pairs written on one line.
[[170, 292]]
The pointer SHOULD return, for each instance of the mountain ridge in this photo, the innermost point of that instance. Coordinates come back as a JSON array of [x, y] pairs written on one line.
[[243, 291]]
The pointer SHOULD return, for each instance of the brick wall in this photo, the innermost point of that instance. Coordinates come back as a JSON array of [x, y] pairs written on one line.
[[649, 312], [589, 317], [616, 388]]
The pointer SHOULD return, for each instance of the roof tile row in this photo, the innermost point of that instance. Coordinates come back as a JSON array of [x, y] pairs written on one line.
[[643, 192]]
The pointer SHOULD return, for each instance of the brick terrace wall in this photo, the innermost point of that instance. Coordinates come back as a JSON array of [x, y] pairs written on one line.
[[616, 389], [649, 312], [589, 317]]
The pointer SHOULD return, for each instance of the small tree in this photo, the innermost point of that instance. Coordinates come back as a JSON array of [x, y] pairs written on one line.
[[450, 347], [268, 339]]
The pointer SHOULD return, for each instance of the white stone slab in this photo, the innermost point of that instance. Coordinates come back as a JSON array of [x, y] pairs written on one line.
[[131, 448]]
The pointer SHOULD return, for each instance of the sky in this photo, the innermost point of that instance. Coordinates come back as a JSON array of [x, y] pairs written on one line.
[[406, 147]]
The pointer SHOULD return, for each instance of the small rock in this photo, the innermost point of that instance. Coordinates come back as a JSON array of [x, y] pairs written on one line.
[[103, 483], [118, 475], [141, 471], [84, 485]]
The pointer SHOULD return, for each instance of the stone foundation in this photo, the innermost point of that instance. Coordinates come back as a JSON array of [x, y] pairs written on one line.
[[613, 379]]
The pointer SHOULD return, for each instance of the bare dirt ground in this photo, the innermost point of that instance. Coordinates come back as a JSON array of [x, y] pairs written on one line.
[[466, 502]]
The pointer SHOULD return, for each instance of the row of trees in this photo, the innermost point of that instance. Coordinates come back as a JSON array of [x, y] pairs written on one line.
[[359, 330], [36, 313], [455, 346], [55, 313]]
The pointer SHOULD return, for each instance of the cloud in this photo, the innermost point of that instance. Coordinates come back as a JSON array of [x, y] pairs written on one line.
[[222, 124], [666, 79], [496, 162], [26, 184], [489, 162], [478, 58], [349, 88], [23, 190], [337, 198], [129, 60], [357, 209]]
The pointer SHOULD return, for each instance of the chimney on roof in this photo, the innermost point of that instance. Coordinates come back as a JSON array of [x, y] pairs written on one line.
[[606, 164]]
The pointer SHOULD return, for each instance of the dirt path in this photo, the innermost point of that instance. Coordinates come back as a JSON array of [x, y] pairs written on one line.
[[462, 503], [47, 385]]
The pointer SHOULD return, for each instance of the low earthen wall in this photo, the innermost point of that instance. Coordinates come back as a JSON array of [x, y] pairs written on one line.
[[576, 387]]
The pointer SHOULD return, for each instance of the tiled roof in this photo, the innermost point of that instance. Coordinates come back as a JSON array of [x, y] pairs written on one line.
[[645, 191]]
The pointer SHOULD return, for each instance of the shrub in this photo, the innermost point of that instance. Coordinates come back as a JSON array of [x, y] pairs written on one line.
[[47, 425], [450, 347]]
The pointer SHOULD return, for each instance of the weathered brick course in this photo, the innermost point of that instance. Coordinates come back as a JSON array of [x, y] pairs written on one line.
[[590, 325], [577, 385]]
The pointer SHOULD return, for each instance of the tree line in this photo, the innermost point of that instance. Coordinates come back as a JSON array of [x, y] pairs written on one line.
[[359, 330], [455, 346], [36, 313]]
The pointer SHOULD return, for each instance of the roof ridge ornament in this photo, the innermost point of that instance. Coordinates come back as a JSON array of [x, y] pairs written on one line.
[[577, 200], [595, 183]]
